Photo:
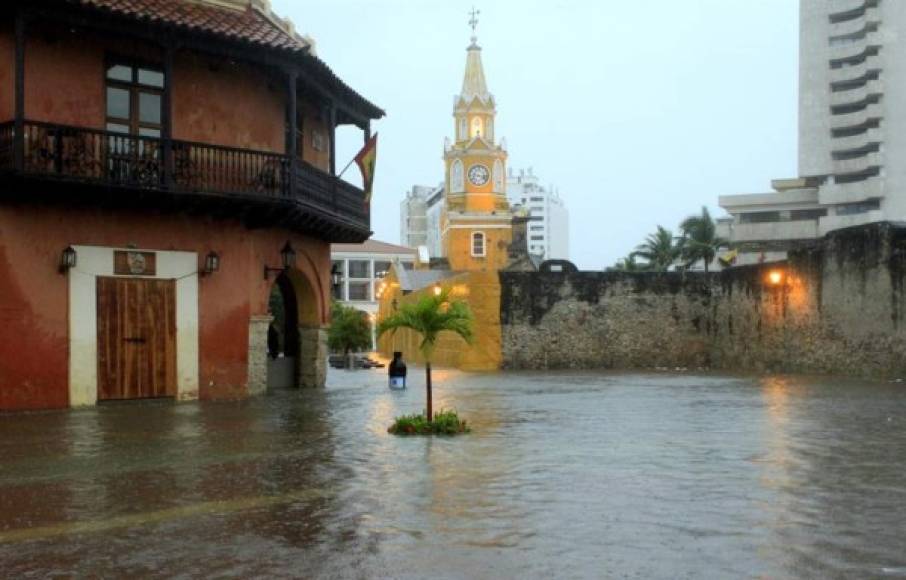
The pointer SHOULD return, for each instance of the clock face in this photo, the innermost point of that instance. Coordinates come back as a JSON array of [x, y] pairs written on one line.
[[479, 175]]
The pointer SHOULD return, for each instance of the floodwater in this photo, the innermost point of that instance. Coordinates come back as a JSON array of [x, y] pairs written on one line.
[[565, 476]]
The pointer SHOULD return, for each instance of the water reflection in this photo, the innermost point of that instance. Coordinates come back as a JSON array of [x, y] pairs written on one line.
[[570, 475]]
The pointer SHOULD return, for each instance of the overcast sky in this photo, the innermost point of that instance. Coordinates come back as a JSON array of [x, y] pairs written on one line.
[[638, 111]]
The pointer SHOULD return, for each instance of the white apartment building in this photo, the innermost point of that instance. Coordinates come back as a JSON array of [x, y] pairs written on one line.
[[548, 229], [852, 129], [420, 218], [362, 267], [413, 227]]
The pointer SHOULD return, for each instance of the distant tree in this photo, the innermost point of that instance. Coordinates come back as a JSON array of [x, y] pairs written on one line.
[[659, 249], [699, 240], [350, 330], [432, 315], [628, 264]]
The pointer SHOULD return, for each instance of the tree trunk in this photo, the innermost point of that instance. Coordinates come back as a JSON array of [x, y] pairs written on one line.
[[428, 384]]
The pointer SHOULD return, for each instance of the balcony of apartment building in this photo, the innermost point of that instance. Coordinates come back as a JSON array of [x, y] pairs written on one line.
[[848, 13], [790, 213], [188, 122]]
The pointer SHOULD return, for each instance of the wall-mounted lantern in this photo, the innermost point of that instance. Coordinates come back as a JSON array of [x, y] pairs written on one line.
[[775, 277], [68, 259], [211, 264], [336, 278], [287, 257], [438, 290]]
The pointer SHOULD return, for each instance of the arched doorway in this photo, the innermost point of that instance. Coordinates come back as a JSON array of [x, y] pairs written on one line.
[[294, 334], [283, 344]]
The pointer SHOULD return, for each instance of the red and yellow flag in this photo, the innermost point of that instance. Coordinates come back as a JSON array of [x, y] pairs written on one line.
[[366, 160]]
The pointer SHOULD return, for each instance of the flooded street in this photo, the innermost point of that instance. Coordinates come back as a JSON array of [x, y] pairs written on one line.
[[564, 476]]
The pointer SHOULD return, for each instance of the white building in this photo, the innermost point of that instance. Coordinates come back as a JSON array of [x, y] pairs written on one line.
[[852, 129], [413, 228], [362, 267], [548, 230], [420, 215]]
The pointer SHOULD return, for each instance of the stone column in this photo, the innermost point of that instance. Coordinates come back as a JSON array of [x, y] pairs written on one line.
[[312, 357], [258, 326]]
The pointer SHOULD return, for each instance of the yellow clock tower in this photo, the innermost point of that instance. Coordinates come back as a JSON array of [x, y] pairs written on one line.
[[476, 223]]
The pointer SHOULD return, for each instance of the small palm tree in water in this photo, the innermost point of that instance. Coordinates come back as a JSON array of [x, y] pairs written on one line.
[[429, 317]]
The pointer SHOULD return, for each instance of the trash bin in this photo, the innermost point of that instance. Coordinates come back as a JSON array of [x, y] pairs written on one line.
[[397, 372]]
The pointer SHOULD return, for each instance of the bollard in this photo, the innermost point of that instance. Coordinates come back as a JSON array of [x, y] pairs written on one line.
[[397, 372]]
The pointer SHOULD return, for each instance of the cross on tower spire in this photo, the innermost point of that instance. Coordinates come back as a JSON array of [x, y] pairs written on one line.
[[473, 22]]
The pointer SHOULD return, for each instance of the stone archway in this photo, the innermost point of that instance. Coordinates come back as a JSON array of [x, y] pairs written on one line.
[[283, 335], [306, 348], [311, 361]]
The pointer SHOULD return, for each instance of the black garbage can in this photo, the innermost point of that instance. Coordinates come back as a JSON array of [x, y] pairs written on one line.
[[397, 372]]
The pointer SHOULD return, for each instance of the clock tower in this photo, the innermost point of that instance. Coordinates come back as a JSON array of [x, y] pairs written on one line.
[[476, 223]]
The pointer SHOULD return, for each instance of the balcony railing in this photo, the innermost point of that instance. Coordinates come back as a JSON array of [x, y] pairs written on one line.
[[114, 159]]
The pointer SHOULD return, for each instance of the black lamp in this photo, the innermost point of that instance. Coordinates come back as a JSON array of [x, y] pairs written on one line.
[[68, 259], [211, 264], [287, 256], [336, 278]]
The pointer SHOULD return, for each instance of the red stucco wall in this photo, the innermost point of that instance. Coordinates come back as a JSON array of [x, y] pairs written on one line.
[[7, 73], [214, 101], [34, 296], [227, 104], [64, 79], [314, 122]]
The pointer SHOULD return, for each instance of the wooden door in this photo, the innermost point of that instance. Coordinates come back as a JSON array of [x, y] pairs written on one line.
[[136, 338]]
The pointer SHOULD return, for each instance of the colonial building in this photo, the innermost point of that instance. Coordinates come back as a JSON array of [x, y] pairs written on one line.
[[852, 116], [164, 166]]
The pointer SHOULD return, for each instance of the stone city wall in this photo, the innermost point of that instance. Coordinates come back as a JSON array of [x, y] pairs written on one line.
[[840, 309]]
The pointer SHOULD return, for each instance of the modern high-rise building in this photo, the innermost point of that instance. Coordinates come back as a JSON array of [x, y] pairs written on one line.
[[548, 226], [852, 130], [413, 224]]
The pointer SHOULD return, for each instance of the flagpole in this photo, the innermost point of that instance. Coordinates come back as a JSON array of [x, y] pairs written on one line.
[[348, 165]]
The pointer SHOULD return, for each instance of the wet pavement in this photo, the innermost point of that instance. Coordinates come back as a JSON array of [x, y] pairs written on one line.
[[565, 476]]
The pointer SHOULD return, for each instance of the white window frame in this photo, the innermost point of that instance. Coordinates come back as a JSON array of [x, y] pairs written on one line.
[[484, 244], [457, 177]]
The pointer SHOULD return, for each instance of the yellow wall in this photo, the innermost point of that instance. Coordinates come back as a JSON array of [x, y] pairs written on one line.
[[481, 291], [459, 248]]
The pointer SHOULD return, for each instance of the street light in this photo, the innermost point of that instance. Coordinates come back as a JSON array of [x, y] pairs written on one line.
[[775, 277], [438, 290]]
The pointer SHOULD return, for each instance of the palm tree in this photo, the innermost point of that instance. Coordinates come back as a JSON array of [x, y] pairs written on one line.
[[700, 240], [628, 264], [659, 249], [429, 317]]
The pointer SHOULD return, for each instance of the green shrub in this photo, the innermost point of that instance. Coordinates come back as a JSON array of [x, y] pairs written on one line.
[[444, 423]]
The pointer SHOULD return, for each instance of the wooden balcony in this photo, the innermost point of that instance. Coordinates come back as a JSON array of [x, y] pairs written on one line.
[[264, 189]]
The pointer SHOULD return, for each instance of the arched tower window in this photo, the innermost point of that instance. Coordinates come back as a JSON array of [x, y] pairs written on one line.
[[477, 126], [490, 130], [457, 177], [463, 129], [478, 244], [499, 186]]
